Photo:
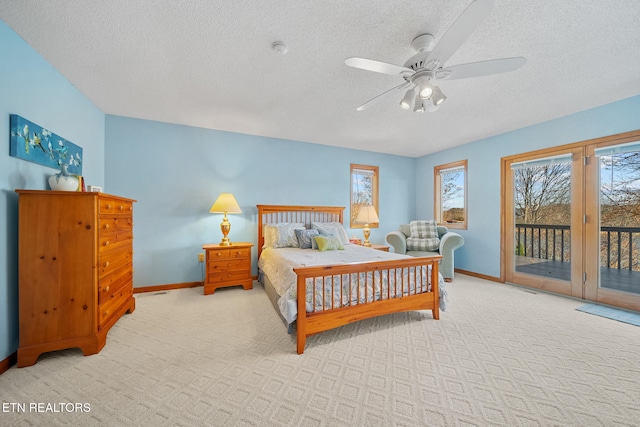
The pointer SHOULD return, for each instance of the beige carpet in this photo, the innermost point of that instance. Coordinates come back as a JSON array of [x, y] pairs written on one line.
[[500, 355]]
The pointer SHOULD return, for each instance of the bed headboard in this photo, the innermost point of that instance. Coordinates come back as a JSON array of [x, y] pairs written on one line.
[[273, 214]]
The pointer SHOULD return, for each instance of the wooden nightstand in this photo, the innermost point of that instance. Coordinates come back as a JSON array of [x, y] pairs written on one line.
[[227, 266], [380, 247]]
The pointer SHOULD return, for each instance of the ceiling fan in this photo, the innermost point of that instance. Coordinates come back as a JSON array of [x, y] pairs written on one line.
[[423, 69]]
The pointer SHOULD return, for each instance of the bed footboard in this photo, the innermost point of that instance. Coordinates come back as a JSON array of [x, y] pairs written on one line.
[[330, 296]]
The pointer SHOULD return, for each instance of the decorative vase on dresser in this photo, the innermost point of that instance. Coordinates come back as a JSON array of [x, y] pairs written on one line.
[[75, 270], [63, 180]]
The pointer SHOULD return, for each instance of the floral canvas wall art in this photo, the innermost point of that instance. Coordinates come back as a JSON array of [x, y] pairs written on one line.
[[38, 145]]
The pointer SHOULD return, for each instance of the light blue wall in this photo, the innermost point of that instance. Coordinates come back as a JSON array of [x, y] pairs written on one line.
[[176, 172], [31, 88], [481, 251]]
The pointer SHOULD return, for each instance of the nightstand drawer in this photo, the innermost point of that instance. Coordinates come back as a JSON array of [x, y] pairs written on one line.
[[227, 276], [228, 265], [231, 253]]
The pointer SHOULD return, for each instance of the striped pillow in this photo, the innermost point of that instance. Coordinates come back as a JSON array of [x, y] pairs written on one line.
[[424, 236], [424, 229]]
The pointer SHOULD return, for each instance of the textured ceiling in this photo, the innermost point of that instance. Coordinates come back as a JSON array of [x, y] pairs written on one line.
[[209, 63]]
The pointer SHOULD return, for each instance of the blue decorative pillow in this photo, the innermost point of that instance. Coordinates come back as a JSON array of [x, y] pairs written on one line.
[[305, 238]]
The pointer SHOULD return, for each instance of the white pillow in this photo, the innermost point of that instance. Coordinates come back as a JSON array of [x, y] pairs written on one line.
[[269, 234], [335, 228], [281, 235]]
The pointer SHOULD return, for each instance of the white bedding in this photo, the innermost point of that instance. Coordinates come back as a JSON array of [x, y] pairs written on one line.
[[278, 265]]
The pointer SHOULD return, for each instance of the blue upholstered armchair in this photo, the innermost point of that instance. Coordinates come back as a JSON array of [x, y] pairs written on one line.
[[449, 242]]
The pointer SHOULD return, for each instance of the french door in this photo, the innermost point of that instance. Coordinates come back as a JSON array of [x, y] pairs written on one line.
[[571, 220]]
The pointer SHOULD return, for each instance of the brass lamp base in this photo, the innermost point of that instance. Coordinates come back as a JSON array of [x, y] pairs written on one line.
[[225, 227], [367, 232]]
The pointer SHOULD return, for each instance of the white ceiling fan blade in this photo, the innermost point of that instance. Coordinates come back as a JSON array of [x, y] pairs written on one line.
[[460, 31], [378, 67], [382, 96], [482, 68]]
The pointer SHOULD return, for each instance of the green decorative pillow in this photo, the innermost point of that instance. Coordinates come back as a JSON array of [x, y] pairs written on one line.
[[328, 243]]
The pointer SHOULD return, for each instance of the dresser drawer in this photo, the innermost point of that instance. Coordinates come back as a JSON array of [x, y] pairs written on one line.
[[110, 287], [109, 308], [109, 241], [111, 280], [112, 261], [112, 206], [114, 224]]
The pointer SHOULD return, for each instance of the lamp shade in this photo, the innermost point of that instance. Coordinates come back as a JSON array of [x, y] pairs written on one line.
[[225, 203], [367, 214]]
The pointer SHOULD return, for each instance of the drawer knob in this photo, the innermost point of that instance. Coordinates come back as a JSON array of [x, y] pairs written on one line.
[[106, 288], [121, 207], [218, 254], [106, 243], [106, 264], [108, 206], [106, 226]]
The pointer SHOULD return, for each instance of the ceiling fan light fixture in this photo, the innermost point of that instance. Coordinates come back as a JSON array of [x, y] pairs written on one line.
[[407, 101], [426, 89], [423, 83], [418, 105], [430, 107], [425, 92], [437, 97]]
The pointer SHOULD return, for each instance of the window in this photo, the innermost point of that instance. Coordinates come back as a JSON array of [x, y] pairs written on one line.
[[451, 194], [364, 191]]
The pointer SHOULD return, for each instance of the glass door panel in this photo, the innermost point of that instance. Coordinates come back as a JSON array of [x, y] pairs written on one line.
[[620, 221], [571, 224], [542, 210]]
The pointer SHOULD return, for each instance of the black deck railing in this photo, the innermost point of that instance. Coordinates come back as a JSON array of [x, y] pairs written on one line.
[[619, 246]]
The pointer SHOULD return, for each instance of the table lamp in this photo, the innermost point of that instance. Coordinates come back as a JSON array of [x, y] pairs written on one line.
[[225, 203], [367, 214]]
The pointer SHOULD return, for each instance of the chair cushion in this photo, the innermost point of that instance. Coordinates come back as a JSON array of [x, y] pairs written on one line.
[[415, 244]]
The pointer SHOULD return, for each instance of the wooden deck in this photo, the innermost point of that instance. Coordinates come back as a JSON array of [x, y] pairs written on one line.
[[610, 278]]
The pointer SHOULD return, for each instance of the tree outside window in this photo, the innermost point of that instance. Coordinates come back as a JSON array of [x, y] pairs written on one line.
[[364, 191], [451, 194]]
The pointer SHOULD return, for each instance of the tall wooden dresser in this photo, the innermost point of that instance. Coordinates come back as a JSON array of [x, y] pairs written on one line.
[[75, 270]]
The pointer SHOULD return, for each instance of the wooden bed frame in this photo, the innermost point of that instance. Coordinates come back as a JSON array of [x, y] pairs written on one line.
[[310, 323]]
